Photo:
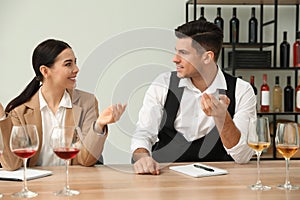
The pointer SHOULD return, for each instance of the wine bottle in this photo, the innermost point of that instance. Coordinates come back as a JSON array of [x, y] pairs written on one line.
[[264, 95], [202, 18], [277, 96], [219, 20], [253, 85], [234, 27], [252, 28], [296, 50], [284, 52], [288, 96], [297, 96]]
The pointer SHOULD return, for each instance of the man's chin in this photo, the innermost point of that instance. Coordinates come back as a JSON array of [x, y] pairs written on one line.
[[180, 75]]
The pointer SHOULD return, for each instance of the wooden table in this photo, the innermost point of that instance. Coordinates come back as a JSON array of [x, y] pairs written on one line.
[[118, 182]]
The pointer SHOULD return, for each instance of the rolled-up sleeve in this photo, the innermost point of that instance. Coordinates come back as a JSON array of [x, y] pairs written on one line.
[[150, 114], [244, 109]]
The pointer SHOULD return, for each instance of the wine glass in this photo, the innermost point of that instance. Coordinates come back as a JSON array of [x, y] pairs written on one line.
[[259, 139], [287, 144], [1, 150], [24, 142], [66, 143]]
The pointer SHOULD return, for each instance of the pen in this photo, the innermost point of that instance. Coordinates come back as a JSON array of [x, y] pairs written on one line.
[[205, 168]]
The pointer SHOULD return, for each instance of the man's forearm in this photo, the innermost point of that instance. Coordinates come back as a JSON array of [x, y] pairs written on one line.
[[229, 133]]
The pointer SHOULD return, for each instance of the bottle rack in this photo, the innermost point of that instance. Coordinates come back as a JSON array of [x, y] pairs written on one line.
[[260, 45]]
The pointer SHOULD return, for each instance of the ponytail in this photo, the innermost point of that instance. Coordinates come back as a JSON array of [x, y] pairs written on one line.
[[27, 93]]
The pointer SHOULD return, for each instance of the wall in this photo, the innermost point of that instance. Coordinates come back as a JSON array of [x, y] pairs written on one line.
[[120, 45]]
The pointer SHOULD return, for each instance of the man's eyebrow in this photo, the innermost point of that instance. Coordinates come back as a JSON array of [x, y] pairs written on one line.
[[180, 49]]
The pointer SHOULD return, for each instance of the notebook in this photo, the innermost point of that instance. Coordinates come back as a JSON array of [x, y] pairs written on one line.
[[17, 175], [199, 170]]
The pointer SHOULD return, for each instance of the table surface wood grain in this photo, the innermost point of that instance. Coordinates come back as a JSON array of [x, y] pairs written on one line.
[[119, 182]]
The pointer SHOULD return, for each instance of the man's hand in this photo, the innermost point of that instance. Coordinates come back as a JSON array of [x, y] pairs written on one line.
[[229, 133], [214, 107], [144, 164]]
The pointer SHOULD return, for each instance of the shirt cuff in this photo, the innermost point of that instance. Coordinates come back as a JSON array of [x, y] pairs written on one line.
[[137, 143]]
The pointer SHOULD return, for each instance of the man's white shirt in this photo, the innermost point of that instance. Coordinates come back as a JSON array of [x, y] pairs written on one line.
[[191, 121]]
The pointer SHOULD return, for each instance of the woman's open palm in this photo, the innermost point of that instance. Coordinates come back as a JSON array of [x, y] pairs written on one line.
[[111, 114]]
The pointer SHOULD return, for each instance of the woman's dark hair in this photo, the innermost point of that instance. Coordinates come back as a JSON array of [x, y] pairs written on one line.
[[44, 54], [204, 33]]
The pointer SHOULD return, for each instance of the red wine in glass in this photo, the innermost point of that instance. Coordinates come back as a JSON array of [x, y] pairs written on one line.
[[24, 153], [66, 153], [65, 142], [24, 143]]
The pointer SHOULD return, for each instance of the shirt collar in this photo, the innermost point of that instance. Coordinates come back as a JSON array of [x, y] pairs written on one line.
[[64, 102], [218, 83]]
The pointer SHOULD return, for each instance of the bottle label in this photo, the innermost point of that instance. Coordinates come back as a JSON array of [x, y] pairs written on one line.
[[265, 98], [298, 99]]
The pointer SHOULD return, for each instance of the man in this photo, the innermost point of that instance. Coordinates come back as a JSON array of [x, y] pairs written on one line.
[[187, 116]]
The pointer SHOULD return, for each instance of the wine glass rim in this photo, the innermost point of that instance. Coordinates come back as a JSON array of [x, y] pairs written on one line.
[[76, 128], [30, 130], [256, 118], [263, 118], [284, 124], [24, 125], [68, 126]]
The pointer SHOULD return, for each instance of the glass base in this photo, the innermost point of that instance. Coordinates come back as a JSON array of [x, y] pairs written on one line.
[[67, 192], [259, 187], [1, 195], [25, 194], [288, 187]]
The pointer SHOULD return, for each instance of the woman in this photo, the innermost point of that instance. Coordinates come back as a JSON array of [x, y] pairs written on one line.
[[50, 100]]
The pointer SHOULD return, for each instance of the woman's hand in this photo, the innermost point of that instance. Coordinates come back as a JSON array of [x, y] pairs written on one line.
[[111, 114]]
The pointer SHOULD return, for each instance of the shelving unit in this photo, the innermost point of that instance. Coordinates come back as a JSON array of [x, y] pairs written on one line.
[[259, 46]]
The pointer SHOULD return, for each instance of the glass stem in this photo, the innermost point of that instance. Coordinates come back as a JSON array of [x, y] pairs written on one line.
[[24, 175], [287, 176], [258, 182], [67, 175]]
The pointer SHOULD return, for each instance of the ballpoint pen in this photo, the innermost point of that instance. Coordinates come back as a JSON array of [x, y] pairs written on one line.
[[205, 168]]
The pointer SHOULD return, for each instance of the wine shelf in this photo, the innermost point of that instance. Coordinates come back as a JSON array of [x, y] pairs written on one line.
[[244, 2], [271, 153], [247, 45]]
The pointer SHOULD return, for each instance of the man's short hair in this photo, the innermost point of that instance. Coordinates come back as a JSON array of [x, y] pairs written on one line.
[[206, 34]]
